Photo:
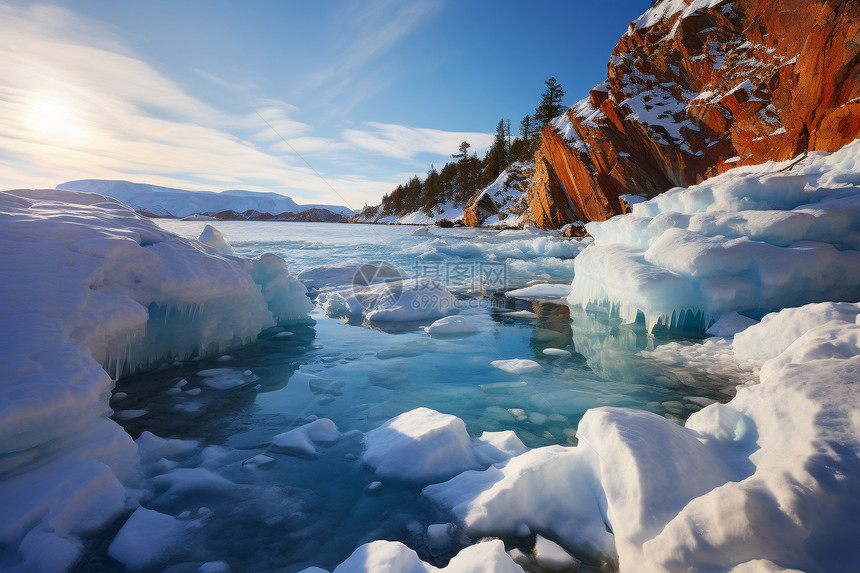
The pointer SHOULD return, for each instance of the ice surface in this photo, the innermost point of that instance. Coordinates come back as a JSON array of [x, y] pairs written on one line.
[[227, 378], [517, 366], [752, 240]]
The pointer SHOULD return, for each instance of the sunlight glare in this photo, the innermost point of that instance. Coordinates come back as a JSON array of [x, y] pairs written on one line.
[[53, 117]]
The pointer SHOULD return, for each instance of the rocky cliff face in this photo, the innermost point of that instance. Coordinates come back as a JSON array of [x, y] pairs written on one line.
[[697, 87]]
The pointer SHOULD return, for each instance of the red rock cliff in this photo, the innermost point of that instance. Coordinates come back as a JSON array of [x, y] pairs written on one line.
[[692, 93]]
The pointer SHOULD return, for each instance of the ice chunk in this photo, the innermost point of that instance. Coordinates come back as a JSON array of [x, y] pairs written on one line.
[[227, 378], [303, 440], [494, 447], [151, 448], [212, 237], [517, 366], [214, 567], [552, 489], [552, 557], [729, 324], [421, 445], [421, 231], [556, 352], [451, 326], [394, 557], [147, 540], [541, 291], [260, 461]]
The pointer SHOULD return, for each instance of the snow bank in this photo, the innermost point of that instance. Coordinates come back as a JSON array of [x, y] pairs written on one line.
[[423, 445], [90, 286], [752, 240], [771, 477]]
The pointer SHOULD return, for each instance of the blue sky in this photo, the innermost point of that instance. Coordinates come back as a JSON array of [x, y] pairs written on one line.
[[367, 93]]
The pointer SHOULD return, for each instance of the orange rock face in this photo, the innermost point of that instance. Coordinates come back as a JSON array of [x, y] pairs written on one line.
[[697, 93]]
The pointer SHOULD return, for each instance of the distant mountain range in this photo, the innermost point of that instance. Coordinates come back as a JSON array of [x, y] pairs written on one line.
[[158, 201]]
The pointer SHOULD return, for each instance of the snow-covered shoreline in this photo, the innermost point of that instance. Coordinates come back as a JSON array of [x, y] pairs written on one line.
[[89, 287]]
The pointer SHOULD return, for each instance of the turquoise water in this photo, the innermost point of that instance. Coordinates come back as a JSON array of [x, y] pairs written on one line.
[[315, 511]]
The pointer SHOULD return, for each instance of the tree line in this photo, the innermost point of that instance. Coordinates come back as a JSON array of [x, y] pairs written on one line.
[[458, 180]]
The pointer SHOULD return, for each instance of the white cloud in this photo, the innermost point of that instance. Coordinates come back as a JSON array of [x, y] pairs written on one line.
[[76, 103], [406, 142]]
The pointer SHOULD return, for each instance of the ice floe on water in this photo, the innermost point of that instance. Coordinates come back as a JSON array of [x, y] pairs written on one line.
[[752, 240]]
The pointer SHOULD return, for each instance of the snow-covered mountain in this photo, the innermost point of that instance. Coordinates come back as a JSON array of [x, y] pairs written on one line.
[[168, 202]]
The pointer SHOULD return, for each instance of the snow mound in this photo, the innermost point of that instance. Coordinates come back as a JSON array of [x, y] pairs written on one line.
[[424, 445], [89, 287], [394, 557], [752, 240]]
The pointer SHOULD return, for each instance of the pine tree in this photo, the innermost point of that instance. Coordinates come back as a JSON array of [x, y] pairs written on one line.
[[550, 104], [527, 130], [500, 146]]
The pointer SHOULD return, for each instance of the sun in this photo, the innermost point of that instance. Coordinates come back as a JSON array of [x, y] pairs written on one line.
[[53, 117]]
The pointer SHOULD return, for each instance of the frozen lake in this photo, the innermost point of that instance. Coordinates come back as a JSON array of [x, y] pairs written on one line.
[[299, 510]]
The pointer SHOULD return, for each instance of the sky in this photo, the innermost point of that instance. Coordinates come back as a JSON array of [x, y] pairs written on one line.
[[332, 102]]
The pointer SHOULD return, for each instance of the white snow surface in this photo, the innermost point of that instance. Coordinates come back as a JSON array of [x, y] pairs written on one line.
[[90, 286], [770, 477], [668, 8], [752, 240], [169, 202]]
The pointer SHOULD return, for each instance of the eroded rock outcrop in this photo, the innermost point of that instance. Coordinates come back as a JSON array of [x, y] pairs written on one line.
[[695, 88], [479, 209]]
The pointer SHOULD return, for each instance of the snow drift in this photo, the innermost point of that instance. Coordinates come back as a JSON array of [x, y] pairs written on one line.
[[89, 287]]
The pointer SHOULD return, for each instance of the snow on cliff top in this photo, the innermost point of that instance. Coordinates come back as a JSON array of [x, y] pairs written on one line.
[[668, 8]]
